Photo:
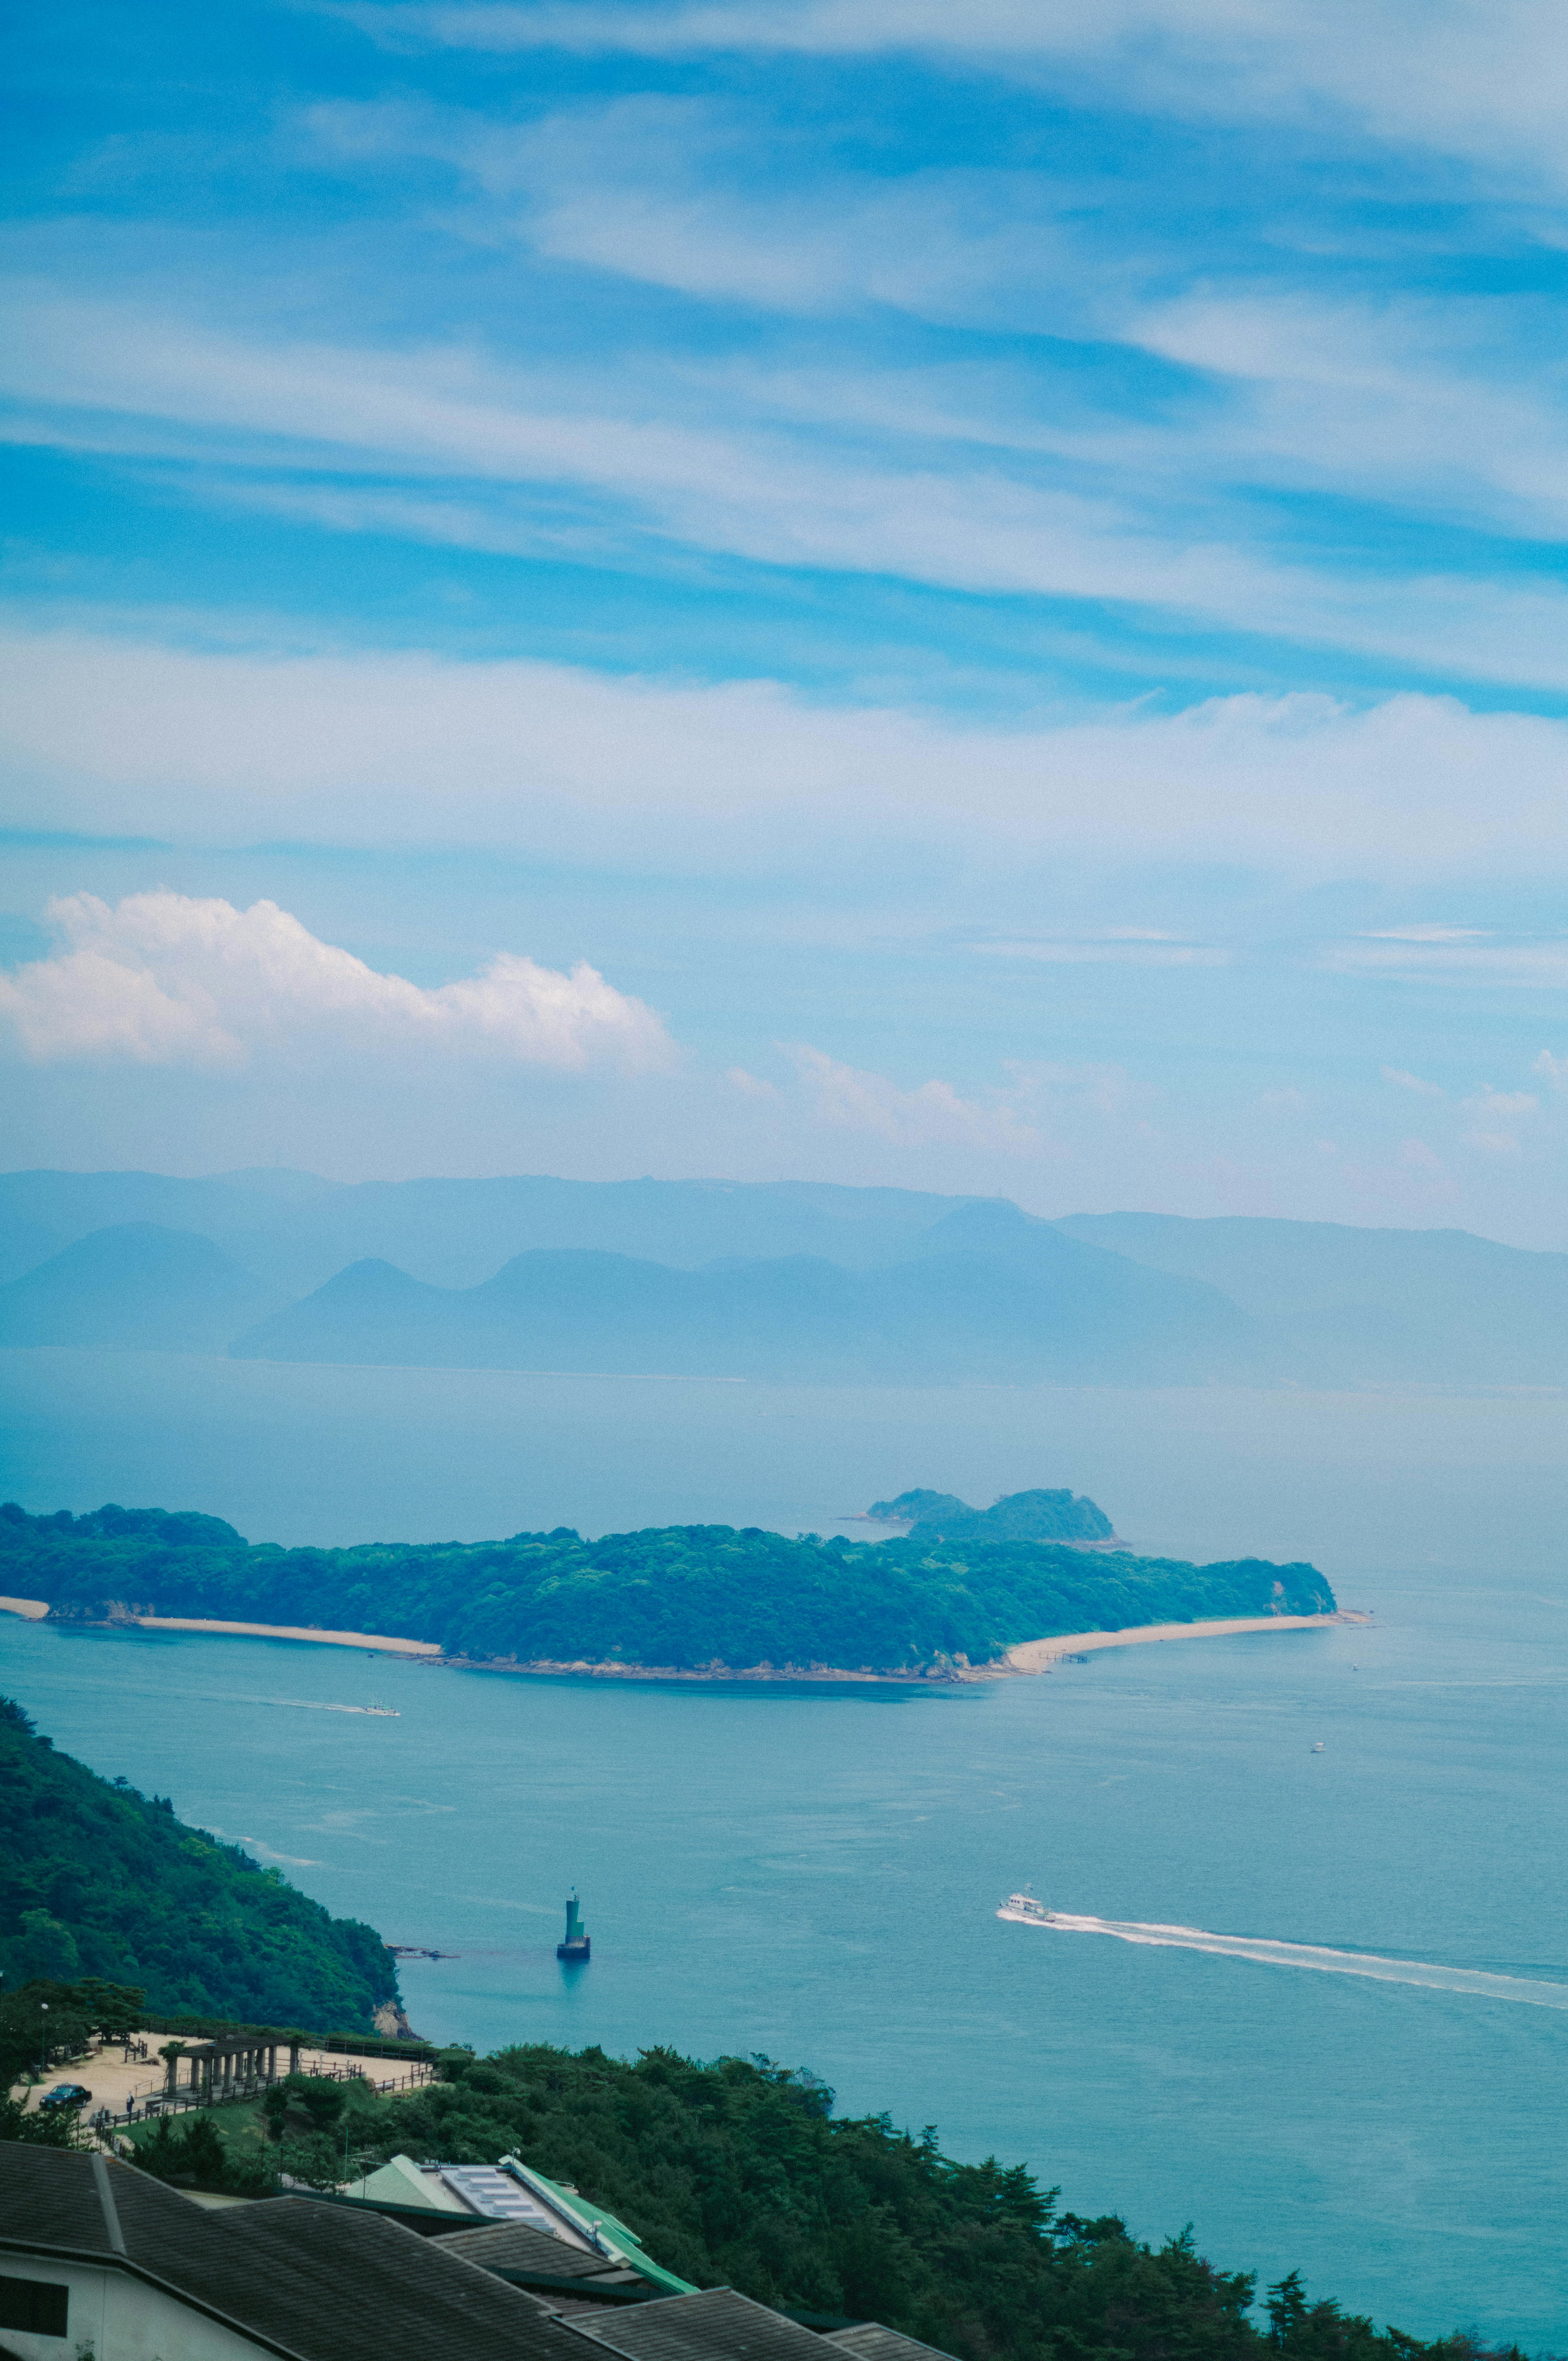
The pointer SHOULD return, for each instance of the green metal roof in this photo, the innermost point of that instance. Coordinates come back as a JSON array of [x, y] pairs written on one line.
[[610, 2235]]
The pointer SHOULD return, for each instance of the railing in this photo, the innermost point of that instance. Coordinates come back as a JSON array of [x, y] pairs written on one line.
[[103, 2119]]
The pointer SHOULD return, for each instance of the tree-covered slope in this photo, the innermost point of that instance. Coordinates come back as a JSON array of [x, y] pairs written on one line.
[[98, 1880], [738, 2173], [688, 1597]]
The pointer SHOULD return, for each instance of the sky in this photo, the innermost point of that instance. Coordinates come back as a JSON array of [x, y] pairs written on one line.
[[846, 589]]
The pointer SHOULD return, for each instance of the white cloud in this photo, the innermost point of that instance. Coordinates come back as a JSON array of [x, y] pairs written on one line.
[[932, 1115], [523, 462], [1025, 1118], [665, 189], [1427, 956], [409, 748], [1427, 934], [1406, 1081], [1506, 1104], [1492, 1143], [1111, 950], [166, 979], [1486, 79], [1553, 1069], [1448, 405]]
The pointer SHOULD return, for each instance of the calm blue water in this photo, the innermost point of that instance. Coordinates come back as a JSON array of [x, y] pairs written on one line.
[[813, 1874]]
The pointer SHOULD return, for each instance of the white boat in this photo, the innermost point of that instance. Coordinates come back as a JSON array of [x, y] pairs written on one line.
[[1025, 1909]]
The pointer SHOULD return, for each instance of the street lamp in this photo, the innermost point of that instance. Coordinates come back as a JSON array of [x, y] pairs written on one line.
[[43, 2039]]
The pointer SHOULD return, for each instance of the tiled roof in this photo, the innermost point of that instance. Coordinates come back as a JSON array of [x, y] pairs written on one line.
[[716, 2325], [869, 2341], [516, 2246], [314, 2282]]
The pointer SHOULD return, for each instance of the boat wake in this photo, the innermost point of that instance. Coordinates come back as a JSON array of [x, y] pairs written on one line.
[[1270, 1954], [320, 1705]]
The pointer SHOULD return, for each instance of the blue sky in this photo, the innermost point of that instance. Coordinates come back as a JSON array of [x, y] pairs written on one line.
[[966, 596]]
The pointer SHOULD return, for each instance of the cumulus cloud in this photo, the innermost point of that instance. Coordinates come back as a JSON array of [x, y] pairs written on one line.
[[164, 979], [1408, 1082], [931, 1114], [1020, 1118]]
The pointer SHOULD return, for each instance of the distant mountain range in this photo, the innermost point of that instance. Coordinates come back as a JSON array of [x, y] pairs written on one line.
[[766, 1281], [135, 1286], [989, 1294]]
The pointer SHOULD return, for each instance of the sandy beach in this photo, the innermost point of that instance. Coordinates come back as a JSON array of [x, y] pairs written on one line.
[[1039, 1655], [35, 1610], [290, 1632]]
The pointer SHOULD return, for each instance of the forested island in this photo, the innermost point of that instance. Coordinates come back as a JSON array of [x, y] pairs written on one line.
[[101, 1882], [954, 1592]]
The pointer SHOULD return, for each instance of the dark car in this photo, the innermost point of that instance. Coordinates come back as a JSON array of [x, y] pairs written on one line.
[[66, 2094]]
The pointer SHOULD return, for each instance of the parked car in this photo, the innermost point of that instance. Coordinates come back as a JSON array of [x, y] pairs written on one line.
[[66, 2094]]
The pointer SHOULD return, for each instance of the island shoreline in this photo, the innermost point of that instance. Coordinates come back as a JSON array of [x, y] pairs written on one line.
[[1028, 1657]]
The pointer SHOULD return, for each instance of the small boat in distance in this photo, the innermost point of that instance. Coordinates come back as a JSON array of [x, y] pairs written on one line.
[[1025, 1909]]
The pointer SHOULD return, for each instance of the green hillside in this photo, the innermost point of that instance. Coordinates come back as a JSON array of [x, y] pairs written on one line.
[[98, 1880], [738, 2173], [690, 1597]]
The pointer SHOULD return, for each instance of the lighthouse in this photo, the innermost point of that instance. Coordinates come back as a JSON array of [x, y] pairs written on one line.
[[575, 1946]]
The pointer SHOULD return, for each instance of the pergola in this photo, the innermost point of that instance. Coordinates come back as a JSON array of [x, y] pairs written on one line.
[[227, 2068]]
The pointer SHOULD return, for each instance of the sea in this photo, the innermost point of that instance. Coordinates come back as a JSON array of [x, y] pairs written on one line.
[[1315, 2001]]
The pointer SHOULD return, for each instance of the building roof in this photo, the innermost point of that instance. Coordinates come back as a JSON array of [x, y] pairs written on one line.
[[533, 2253], [308, 2282], [868, 2340], [404, 2183], [716, 2325], [573, 2216]]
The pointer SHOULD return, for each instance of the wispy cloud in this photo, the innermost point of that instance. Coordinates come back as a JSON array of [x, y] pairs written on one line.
[[1471, 81], [1130, 949], [1419, 958], [931, 1114], [365, 746], [481, 443], [166, 979], [1415, 1083]]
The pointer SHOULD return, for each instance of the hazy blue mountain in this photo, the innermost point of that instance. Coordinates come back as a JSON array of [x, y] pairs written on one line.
[[134, 1285], [24, 1245], [458, 1232], [1349, 1306], [296, 1231], [41, 1212], [808, 1279], [1029, 1304], [1016, 1517]]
